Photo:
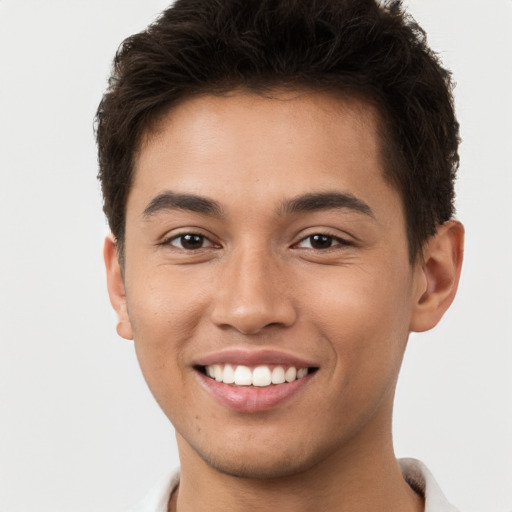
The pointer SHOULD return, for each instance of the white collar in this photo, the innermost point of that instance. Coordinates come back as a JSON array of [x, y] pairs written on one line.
[[418, 476]]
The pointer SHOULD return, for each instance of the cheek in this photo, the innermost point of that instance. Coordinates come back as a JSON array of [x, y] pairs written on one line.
[[164, 304], [164, 313], [365, 318]]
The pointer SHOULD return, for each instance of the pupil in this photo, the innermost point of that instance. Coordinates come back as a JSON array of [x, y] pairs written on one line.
[[191, 241], [321, 241]]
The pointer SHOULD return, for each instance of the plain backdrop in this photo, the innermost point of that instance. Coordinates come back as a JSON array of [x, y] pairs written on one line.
[[79, 431]]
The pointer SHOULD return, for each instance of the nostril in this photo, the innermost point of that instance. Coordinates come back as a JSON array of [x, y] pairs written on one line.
[[252, 301]]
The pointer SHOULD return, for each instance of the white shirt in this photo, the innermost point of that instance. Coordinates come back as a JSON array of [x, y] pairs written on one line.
[[415, 473]]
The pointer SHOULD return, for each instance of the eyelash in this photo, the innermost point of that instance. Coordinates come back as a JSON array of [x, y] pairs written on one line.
[[334, 240], [326, 236], [182, 236]]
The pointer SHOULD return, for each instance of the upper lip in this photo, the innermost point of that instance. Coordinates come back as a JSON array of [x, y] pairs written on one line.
[[253, 358]]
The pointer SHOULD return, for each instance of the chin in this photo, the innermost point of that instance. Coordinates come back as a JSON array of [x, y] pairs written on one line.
[[257, 469], [270, 463]]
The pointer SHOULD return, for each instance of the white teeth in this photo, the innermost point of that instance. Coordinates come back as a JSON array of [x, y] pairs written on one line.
[[302, 373], [261, 376], [229, 374], [278, 375], [291, 374], [217, 372], [243, 376]]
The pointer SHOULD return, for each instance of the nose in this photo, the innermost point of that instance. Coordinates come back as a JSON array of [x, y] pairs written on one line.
[[253, 294]]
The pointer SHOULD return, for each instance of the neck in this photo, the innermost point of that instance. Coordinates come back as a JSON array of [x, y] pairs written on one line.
[[362, 479]]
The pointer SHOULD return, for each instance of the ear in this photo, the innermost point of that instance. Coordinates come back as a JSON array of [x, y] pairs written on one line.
[[437, 276], [116, 290]]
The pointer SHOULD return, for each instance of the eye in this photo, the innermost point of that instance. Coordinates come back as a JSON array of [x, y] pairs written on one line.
[[190, 242], [320, 241]]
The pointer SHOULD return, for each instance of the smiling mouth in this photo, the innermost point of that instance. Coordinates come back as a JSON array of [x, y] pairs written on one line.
[[259, 376]]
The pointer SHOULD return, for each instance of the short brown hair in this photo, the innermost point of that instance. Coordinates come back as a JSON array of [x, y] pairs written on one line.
[[352, 46]]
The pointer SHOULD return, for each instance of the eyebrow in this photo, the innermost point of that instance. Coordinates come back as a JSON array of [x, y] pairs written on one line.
[[175, 201], [326, 201], [304, 203]]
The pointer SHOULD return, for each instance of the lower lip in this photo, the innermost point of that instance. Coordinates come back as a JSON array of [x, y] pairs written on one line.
[[251, 398]]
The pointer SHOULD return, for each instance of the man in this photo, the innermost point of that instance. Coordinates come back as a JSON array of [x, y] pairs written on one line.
[[278, 179]]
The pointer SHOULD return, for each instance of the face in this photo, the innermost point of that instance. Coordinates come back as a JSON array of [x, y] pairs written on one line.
[[267, 281]]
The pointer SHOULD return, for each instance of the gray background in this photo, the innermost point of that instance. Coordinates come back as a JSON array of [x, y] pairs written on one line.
[[79, 431]]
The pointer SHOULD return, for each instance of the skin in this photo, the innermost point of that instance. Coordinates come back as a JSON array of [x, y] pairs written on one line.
[[257, 282]]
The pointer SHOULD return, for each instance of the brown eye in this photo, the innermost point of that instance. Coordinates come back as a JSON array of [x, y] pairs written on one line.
[[320, 241], [190, 242]]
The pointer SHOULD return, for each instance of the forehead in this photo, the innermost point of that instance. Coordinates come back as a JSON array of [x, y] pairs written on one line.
[[253, 145], [272, 109]]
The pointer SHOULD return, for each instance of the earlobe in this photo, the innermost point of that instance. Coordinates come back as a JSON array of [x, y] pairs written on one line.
[[116, 289], [437, 276]]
